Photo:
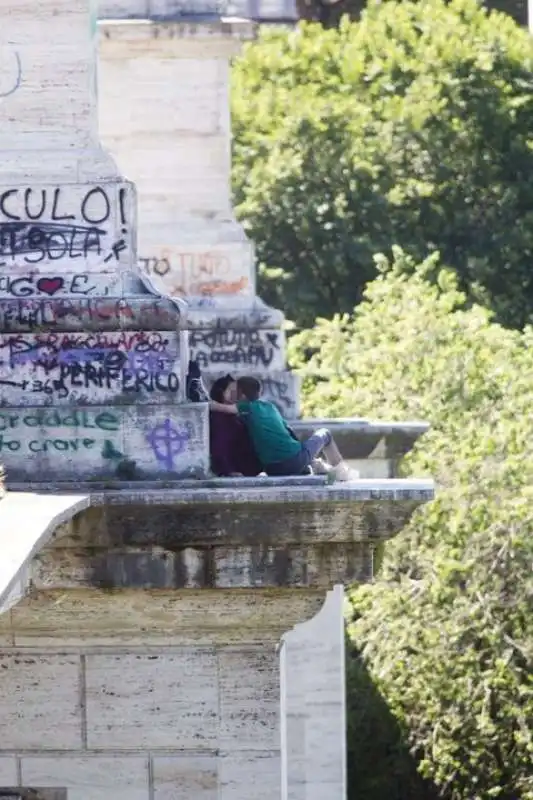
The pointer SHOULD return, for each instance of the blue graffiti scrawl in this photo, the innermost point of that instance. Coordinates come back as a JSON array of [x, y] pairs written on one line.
[[168, 441]]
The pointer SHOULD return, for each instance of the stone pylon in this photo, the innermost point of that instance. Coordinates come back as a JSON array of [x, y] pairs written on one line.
[[165, 115], [92, 360]]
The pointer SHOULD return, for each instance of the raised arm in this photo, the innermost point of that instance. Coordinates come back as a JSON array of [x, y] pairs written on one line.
[[226, 409]]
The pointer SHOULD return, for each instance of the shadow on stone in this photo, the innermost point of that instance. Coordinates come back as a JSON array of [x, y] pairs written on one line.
[[380, 766]]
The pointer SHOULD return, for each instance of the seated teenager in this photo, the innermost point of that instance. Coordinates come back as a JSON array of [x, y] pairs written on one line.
[[279, 452], [232, 451]]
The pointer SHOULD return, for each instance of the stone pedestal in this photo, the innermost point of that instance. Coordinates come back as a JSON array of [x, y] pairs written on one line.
[[144, 660], [92, 359], [164, 114]]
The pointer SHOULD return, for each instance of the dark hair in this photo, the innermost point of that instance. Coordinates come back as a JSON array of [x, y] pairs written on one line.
[[219, 387], [249, 388]]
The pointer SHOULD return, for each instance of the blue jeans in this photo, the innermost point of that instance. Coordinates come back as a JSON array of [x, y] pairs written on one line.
[[299, 464]]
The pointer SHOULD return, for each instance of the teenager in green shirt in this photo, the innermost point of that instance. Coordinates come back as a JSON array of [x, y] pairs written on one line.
[[277, 448]]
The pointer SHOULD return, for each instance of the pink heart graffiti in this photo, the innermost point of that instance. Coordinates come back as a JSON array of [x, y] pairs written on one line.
[[50, 285]]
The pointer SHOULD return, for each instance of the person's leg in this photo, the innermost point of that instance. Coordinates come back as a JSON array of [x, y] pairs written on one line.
[[322, 442], [195, 389], [297, 465]]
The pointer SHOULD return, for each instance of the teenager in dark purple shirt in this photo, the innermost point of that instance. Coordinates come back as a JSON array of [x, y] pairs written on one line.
[[232, 452]]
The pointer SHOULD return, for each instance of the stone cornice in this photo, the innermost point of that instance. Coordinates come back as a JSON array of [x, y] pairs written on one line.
[[183, 36], [299, 535]]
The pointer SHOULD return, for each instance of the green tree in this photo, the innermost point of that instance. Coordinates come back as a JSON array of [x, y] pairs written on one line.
[[413, 126], [446, 631], [330, 12]]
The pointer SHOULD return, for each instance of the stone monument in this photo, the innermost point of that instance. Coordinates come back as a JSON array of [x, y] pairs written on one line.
[[181, 643], [160, 638], [164, 114], [92, 360]]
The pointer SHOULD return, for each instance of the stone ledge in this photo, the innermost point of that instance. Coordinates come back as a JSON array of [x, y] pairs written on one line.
[[236, 491], [297, 532], [164, 485], [70, 313], [185, 27], [356, 491], [375, 448]]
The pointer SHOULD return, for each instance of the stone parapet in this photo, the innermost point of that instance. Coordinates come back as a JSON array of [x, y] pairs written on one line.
[[373, 447]]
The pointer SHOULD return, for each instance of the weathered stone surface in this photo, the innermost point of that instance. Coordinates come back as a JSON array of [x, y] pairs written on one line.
[[36, 713], [79, 326], [36, 793], [231, 776], [143, 9], [196, 543], [246, 775], [238, 350], [115, 311], [263, 492], [190, 243], [6, 636], [118, 368], [252, 519], [200, 567], [135, 442], [249, 698], [160, 618], [167, 701], [188, 237], [238, 314], [8, 771], [90, 777], [182, 777]]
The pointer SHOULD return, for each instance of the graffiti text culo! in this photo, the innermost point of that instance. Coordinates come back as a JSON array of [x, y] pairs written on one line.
[[62, 224]]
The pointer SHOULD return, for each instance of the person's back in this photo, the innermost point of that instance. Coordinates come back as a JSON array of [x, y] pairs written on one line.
[[231, 448], [271, 438]]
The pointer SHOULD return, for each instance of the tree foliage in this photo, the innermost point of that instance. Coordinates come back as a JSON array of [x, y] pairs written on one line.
[[413, 126], [330, 12], [446, 630]]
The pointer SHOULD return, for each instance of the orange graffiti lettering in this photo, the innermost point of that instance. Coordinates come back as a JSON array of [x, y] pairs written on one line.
[[211, 288]]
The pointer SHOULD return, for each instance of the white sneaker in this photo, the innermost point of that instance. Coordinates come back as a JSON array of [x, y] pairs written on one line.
[[320, 467], [344, 474]]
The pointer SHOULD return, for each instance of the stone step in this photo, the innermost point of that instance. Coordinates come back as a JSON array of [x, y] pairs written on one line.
[[21, 314], [91, 368], [143, 442]]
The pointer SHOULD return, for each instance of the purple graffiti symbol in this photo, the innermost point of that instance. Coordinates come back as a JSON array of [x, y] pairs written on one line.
[[167, 442]]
